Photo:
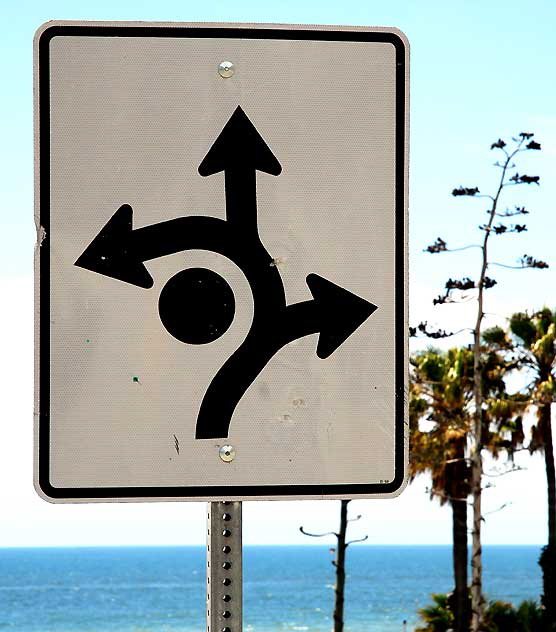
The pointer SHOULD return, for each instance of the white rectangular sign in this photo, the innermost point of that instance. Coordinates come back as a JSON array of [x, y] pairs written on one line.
[[222, 268]]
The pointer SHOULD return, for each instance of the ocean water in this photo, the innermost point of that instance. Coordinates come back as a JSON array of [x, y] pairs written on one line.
[[286, 588]]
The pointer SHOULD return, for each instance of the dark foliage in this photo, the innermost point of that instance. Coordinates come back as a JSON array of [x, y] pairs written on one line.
[[465, 191], [499, 144], [429, 333], [530, 262], [524, 179], [500, 616], [438, 246], [519, 210]]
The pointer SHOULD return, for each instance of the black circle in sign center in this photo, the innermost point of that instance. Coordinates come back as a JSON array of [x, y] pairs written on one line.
[[196, 306]]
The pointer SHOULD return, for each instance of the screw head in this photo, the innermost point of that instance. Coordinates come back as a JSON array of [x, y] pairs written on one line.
[[227, 453], [226, 69]]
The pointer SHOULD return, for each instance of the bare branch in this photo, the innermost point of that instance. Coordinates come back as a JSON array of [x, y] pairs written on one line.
[[526, 262], [354, 541], [440, 333], [503, 265], [440, 246], [497, 474], [355, 519], [461, 285], [488, 513], [317, 535], [519, 210], [464, 248]]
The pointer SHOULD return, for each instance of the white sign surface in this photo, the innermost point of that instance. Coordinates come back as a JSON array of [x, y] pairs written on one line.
[[222, 266]]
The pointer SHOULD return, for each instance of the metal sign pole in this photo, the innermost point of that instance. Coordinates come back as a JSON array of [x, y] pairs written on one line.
[[224, 567]]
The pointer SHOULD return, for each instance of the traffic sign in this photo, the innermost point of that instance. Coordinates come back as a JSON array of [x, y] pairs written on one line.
[[222, 264]]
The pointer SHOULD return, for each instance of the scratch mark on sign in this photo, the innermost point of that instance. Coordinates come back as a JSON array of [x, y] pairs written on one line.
[[41, 235], [177, 444]]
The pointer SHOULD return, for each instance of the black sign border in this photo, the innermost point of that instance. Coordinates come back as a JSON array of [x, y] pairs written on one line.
[[216, 492]]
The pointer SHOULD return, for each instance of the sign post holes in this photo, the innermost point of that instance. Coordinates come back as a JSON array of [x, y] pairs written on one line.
[[224, 567]]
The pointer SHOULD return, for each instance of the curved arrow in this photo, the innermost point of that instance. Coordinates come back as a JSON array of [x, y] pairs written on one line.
[[119, 251], [334, 313]]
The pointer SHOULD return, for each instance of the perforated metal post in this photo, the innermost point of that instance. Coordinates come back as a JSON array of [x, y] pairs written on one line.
[[224, 567]]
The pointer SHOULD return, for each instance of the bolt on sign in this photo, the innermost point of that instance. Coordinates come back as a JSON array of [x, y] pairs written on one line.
[[222, 262]]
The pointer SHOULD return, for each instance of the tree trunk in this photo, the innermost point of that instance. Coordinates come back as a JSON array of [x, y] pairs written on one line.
[[547, 560], [459, 550], [476, 483], [477, 554], [477, 600], [340, 565]]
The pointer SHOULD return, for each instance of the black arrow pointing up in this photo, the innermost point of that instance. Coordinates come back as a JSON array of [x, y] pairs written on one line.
[[239, 146], [334, 313], [240, 151]]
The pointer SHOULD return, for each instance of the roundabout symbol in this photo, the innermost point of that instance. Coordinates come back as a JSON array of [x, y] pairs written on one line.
[[120, 252]]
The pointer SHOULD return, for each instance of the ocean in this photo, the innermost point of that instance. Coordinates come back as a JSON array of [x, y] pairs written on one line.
[[286, 588]]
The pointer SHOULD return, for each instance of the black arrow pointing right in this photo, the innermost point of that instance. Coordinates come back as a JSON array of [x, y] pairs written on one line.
[[334, 313]]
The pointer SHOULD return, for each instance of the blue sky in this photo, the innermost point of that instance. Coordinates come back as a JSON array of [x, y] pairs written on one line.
[[479, 71]]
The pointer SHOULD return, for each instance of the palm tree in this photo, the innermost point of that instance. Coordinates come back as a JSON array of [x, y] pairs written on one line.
[[441, 389], [536, 335]]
